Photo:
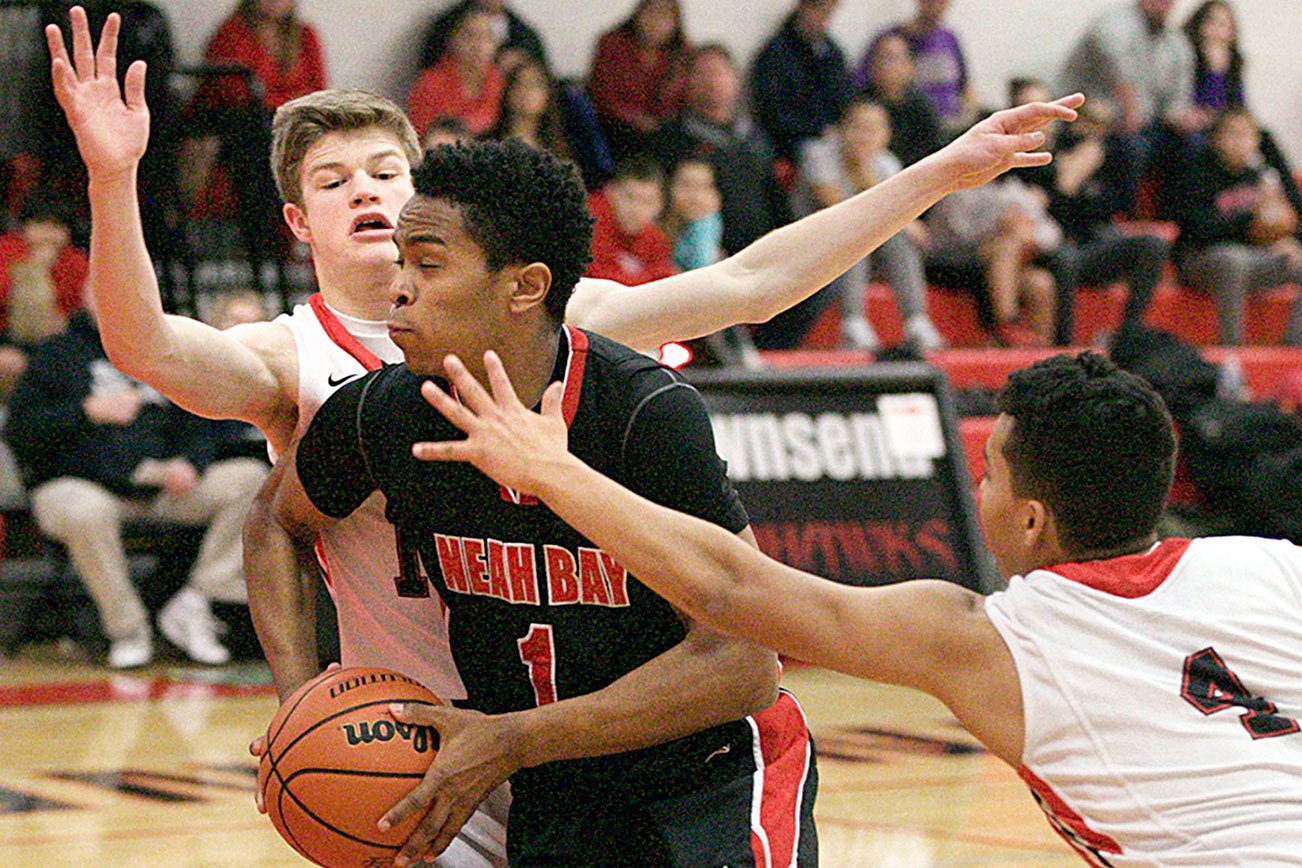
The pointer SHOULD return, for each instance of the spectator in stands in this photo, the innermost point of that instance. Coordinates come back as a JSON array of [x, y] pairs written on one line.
[[996, 242], [445, 130], [267, 38], [799, 79], [627, 245], [42, 277], [1089, 183], [283, 56], [693, 219], [713, 126], [853, 157], [916, 130], [530, 111], [1238, 230], [1218, 62], [1218, 81], [96, 448], [939, 68], [1131, 57], [638, 75], [515, 38], [465, 83]]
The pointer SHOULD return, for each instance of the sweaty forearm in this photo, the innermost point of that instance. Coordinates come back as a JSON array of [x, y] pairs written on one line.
[[122, 279], [281, 581], [704, 681]]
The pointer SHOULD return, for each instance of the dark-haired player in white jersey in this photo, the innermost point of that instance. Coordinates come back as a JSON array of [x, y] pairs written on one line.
[[1148, 692], [344, 181]]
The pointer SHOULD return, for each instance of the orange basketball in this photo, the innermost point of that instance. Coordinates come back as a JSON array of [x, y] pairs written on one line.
[[336, 761]]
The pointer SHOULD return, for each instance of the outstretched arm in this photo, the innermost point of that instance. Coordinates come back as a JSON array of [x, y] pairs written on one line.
[[930, 635], [791, 263], [212, 373]]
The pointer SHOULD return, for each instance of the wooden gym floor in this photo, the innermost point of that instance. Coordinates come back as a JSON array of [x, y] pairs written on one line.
[[151, 769]]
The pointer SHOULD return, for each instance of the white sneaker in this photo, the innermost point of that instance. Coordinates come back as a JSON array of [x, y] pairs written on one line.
[[923, 335], [188, 623], [857, 334], [132, 650]]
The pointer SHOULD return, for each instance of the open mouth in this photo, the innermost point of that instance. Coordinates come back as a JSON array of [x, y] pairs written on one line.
[[372, 223]]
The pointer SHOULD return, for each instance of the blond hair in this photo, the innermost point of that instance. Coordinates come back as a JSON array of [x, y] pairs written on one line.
[[302, 122]]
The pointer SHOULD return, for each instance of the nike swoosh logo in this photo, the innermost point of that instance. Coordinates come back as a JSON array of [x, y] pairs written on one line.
[[339, 382], [727, 748]]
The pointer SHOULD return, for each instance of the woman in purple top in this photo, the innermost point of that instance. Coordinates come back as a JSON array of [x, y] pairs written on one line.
[[1218, 75], [939, 69]]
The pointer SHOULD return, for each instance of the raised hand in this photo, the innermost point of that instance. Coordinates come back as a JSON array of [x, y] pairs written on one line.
[[504, 438], [111, 123], [1006, 140]]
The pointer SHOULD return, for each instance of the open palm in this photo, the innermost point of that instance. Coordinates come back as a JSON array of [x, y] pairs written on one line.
[[1008, 140], [111, 123]]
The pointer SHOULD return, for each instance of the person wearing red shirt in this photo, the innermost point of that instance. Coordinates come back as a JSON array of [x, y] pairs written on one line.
[[267, 38], [627, 245], [283, 54], [466, 84], [41, 281], [638, 75]]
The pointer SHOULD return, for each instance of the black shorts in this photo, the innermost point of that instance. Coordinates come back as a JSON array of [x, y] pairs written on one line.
[[755, 807]]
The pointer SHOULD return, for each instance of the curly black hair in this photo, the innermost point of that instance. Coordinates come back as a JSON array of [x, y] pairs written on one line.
[[519, 204], [1094, 443]]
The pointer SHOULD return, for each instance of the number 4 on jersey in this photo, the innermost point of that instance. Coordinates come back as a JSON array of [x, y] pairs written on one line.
[[1210, 686]]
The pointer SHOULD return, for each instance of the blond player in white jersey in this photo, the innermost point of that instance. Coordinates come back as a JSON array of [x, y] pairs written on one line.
[[344, 183], [1149, 693]]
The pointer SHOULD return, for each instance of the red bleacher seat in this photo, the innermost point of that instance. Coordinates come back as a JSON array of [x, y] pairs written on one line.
[[1187, 313]]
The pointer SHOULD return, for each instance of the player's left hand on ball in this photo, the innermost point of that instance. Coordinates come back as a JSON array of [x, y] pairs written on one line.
[[504, 438], [476, 754]]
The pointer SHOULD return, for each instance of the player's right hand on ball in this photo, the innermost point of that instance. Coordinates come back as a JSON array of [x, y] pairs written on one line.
[[111, 123]]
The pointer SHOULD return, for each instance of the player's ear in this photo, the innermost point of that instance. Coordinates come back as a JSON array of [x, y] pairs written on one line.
[[1037, 525], [296, 219], [532, 283]]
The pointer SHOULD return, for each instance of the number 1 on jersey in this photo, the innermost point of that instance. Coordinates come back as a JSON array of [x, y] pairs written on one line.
[[538, 652]]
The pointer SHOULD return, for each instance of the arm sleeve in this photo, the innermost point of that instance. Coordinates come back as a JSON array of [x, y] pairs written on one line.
[[332, 464], [670, 457]]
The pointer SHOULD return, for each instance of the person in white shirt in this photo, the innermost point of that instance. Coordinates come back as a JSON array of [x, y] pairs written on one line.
[[1148, 692], [343, 160]]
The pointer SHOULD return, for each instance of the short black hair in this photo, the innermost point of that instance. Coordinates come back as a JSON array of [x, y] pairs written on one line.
[[519, 204], [45, 205], [639, 166], [1094, 443]]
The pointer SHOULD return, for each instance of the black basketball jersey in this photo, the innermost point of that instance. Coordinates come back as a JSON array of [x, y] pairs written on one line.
[[537, 612]]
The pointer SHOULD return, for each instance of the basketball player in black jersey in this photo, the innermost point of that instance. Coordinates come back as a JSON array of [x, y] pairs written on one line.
[[490, 248]]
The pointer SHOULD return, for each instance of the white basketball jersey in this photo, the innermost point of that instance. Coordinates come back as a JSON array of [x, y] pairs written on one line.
[[359, 555], [1162, 694]]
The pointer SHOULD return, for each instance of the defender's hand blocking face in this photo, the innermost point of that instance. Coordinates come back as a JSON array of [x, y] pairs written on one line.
[[1007, 140], [111, 131], [504, 439]]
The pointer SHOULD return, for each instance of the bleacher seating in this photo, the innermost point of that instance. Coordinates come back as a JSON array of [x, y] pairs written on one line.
[[1187, 313]]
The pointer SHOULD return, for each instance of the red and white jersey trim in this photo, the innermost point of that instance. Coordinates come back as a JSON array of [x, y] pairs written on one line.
[[783, 758]]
